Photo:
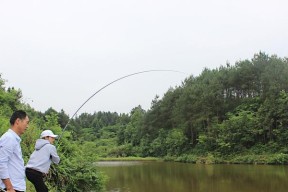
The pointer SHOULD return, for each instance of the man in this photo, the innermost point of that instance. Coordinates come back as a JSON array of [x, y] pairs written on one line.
[[39, 163], [12, 170]]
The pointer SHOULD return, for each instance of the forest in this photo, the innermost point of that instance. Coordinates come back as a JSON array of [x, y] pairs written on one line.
[[236, 113]]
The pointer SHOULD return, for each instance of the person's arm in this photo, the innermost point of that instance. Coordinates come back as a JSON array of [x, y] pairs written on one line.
[[54, 156], [8, 185], [6, 150]]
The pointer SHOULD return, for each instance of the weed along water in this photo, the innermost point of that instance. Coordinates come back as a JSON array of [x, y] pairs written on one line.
[[138, 176]]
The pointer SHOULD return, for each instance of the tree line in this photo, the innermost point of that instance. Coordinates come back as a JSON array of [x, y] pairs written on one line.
[[234, 113]]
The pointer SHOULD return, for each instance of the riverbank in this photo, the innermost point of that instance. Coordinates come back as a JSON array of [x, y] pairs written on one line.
[[129, 159], [269, 159]]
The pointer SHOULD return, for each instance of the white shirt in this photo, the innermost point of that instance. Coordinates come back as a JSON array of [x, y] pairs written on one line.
[[11, 161]]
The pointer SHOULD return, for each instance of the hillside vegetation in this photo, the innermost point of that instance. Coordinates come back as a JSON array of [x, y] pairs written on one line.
[[75, 172], [232, 114]]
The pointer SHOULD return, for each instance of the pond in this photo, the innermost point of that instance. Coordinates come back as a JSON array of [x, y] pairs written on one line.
[[137, 176]]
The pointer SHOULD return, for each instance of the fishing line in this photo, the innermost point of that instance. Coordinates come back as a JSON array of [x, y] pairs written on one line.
[[107, 86]]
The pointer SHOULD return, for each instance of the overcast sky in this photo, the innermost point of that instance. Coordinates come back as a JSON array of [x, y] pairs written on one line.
[[60, 52]]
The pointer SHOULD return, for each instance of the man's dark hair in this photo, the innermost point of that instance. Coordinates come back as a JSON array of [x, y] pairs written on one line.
[[17, 114]]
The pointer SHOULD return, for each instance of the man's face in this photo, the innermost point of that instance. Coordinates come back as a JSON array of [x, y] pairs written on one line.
[[22, 125]]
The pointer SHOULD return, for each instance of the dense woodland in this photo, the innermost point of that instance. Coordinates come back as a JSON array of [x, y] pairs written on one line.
[[233, 114]]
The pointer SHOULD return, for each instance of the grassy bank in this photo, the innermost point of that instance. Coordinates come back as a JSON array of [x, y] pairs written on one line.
[[129, 159], [272, 159]]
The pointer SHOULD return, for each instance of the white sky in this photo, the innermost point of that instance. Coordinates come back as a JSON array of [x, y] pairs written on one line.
[[60, 52]]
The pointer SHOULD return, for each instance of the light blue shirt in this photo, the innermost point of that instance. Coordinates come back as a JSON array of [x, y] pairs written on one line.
[[11, 161]]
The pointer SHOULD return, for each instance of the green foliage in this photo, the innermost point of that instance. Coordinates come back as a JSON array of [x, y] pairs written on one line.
[[175, 142], [207, 159], [75, 172], [235, 113], [277, 158], [187, 158], [4, 124], [238, 132], [231, 110]]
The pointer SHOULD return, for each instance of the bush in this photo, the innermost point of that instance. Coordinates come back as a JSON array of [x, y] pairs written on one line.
[[262, 159], [187, 158]]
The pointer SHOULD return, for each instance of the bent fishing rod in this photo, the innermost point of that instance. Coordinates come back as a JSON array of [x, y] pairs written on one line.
[[132, 74]]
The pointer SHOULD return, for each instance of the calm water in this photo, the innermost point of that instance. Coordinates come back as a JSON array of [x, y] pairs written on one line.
[[182, 177]]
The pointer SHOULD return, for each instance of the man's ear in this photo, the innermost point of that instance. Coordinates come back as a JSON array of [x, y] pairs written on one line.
[[17, 121]]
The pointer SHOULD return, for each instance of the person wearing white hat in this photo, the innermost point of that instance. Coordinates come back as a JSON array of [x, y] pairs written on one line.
[[40, 160]]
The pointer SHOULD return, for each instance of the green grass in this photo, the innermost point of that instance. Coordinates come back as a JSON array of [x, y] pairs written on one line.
[[128, 159]]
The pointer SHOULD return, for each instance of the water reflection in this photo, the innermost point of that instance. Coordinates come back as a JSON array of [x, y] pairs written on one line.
[[181, 177]]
